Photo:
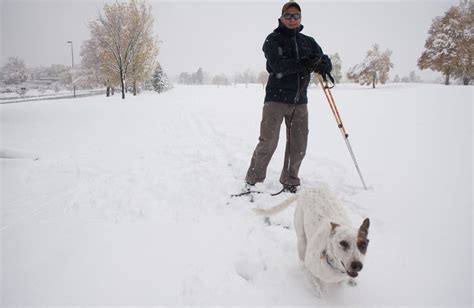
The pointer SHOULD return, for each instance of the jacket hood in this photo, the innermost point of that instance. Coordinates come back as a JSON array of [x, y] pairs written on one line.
[[284, 30]]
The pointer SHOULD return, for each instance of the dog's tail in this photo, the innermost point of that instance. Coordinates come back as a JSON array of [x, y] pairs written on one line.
[[277, 208]]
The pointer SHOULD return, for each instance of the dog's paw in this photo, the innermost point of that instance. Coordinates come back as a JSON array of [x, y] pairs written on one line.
[[352, 282], [316, 284]]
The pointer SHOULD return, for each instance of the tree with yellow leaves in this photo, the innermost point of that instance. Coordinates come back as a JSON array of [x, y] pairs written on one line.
[[123, 34], [449, 48]]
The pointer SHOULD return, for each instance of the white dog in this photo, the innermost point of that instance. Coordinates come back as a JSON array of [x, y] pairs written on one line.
[[332, 250]]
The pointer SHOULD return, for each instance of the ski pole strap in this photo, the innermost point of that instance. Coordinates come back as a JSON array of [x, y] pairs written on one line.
[[325, 78]]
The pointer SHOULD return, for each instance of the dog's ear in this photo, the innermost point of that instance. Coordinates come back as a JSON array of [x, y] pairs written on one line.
[[333, 227], [364, 229]]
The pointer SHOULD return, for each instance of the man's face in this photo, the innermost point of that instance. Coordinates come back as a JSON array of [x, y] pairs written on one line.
[[294, 22]]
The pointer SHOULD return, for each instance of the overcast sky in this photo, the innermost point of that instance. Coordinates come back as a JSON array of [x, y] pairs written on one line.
[[226, 36]]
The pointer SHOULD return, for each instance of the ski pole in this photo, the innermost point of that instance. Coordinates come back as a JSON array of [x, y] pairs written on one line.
[[345, 135]]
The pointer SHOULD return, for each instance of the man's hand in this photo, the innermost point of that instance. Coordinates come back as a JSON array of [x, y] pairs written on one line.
[[324, 66], [309, 61]]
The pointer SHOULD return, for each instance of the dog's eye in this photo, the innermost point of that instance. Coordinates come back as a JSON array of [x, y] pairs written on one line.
[[344, 244]]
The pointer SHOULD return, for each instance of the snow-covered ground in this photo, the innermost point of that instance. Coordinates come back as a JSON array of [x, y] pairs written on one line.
[[105, 201]]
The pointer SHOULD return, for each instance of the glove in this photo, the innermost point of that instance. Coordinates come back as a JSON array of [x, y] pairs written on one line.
[[309, 61], [324, 66]]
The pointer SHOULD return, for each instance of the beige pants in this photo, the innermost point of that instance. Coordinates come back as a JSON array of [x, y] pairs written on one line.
[[296, 120]]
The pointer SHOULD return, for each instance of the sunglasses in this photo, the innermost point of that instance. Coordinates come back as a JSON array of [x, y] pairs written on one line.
[[289, 16]]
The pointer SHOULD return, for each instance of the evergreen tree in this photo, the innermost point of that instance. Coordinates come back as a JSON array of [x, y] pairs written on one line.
[[199, 77], [160, 80]]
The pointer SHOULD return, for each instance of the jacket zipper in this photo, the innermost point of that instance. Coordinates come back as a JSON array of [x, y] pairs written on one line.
[[297, 97]]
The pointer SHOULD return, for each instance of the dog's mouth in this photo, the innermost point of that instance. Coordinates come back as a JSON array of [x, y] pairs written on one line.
[[351, 274]]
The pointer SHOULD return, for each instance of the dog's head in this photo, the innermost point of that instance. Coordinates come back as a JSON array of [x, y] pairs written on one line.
[[348, 246]]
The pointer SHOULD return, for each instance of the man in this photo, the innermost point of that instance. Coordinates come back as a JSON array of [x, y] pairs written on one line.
[[291, 58]]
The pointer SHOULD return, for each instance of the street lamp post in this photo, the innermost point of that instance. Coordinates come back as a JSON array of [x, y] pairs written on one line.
[[72, 73]]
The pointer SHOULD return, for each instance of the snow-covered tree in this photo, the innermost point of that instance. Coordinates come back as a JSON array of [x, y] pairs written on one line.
[[220, 80], [184, 78], [449, 48], [373, 69], [95, 68], [199, 76], [124, 34], [249, 77], [144, 57], [396, 79], [263, 78], [414, 77], [159, 80], [336, 67], [14, 71]]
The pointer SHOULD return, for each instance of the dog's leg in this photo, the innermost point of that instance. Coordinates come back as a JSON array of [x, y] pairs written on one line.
[[301, 240], [316, 284]]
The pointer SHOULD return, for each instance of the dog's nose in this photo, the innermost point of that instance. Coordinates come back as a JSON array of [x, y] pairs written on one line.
[[356, 266]]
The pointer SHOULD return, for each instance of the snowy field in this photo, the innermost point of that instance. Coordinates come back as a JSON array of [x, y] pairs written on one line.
[[108, 202]]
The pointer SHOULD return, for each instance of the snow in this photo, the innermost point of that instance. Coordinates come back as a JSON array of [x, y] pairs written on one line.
[[107, 201]]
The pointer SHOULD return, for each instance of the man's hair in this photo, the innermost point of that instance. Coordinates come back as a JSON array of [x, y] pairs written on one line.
[[288, 5]]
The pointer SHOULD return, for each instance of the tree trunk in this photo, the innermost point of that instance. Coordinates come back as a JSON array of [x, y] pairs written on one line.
[[447, 80], [134, 88], [107, 92], [465, 81], [373, 83], [122, 82], [113, 91]]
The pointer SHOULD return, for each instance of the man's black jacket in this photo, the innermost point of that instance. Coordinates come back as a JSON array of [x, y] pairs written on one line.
[[289, 79]]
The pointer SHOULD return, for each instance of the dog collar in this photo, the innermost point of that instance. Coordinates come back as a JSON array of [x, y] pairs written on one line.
[[330, 262]]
